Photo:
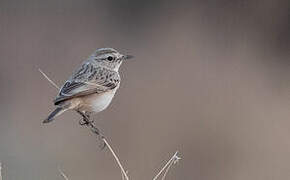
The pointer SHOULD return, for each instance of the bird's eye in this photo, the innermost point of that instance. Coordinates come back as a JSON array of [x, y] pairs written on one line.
[[110, 58]]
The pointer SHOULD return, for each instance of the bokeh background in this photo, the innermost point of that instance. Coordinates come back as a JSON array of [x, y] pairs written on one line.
[[210, 79]]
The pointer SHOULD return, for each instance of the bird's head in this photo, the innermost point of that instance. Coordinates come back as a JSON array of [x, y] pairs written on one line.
[[109, 58]]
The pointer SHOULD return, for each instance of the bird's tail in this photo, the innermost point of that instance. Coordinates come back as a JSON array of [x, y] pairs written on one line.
[[58, 111]]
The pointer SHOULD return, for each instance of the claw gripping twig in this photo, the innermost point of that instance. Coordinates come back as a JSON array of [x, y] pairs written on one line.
[[95, 130], [174, 159]]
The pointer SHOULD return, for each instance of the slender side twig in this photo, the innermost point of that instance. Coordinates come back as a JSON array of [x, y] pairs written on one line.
[[0, 171], [167, 169], [95, 131], [174, 159], [116, 158], [62, 174], [46, 77]]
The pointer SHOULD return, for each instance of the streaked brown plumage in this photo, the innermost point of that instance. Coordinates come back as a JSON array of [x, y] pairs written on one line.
[[92, 86]]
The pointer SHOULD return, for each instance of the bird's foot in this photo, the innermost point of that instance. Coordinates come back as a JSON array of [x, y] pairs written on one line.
[[85, 121]]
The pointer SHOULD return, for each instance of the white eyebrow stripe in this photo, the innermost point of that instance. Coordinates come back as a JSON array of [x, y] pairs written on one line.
[[103, 56]]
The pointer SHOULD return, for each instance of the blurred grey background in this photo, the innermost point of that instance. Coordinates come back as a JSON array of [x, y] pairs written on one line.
[[210, 79]]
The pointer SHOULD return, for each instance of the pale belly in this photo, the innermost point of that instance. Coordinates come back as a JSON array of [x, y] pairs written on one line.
[[95, 103]]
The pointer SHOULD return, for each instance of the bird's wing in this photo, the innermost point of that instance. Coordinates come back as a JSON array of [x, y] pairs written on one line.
[[88, 79]]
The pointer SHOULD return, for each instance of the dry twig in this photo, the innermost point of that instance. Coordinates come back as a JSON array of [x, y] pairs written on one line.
[[124, 173], [46, 77], [95, 130], [62, 174], [174, 159], [0, 171]]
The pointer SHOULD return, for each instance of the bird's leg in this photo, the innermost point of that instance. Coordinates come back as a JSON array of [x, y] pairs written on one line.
[[90, 123], [85, 120]]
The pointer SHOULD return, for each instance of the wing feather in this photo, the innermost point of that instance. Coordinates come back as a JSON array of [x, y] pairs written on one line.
[[88, 79]]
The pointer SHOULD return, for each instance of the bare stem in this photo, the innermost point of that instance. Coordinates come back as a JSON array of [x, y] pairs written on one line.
[[167, 166], [46, 77], [62, 174], [167, 169], [0, 171], [117, 159], [95, 131]]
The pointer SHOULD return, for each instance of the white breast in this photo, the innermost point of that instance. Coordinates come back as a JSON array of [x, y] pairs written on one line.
[[97, 102]]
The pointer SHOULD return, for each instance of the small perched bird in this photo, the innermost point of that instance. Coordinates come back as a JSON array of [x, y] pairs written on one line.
[[92, 86]]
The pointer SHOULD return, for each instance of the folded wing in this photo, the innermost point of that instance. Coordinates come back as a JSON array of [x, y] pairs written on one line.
[[88, 79]]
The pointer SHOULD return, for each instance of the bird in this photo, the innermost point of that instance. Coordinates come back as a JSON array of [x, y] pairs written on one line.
[[92, 86]]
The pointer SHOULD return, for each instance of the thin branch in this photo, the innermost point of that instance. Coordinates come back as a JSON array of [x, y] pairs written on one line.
[[95, 130], [62, 174], [174, 159], [123, 177], [116, 158], [0, 171], [46, 77], [166, 171]]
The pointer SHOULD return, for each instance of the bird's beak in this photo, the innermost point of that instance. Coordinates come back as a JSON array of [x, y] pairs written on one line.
[[128, 57]]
